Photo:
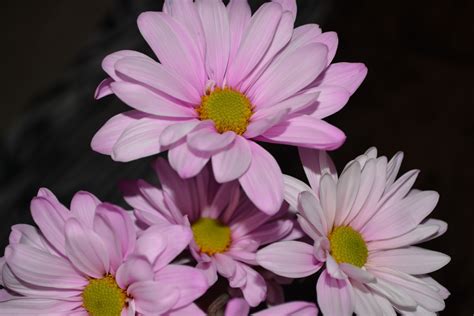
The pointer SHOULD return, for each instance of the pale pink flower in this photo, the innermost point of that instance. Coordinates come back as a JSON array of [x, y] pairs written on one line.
[[238, 307], [88, 261], [364, 225], [227, 228], [225, 80]]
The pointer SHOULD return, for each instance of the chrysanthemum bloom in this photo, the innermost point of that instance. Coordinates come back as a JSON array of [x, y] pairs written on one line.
[[87, 261], [225, 80], [238, 307], [226, 226], [364, 225]]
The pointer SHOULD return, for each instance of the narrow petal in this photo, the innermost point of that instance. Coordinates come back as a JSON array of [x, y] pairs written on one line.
[[266, 121], [295, 71], [175, 132], [255, 289], [398, 190], [215, 22], [230, 164], [411, 260], [292, 190], [39, 268], [316, 163], [190, 282], [291, 308], [263, 181], [355, 273], [135, 269], [327, 197], [83, 207], [103, 89], [311, 210], [347, 189], [333, 269], [305, 131], [394, 294], [143, 99], [335, 297], [105, 139], [179, 51], [365, 303], [288, 5], [38, 306], [206, 138], [346, 75], [140, 139], [331, 41], [393, 167], [153, 298], [294, 104], [186, 161], [237, 307], [292, 259], [239, 17], [152, 74], [255, 42], [330, 100]]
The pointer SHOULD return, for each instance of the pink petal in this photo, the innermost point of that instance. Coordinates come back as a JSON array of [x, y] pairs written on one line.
[[145, 100], [393, 167], [316, 163], [39, 306], [206, 138], [86, 250], [335, 297], [140, 139], [215, 22], [105, 139], [305, 131], [333, 268], [173, 46], [103, 89], [265, 122], [255, 289], [292, 259], [365, 303], [146, 71], [346, 75], [358, 274], [50, 218], [292, 308], [237, 307], [331, 99], [27, 235], [177, 131], [295, 70], [347, 190], [39, 268], [190, 282], [221, 200], [153, 298], [255, 42], [395, 294], [133, 270], [411, 260], [239, 17], [233, 162], [263, 181], [83, 207], [288, 5], [327, 197], [331, 41], [401, 217], [293, 188], [108, 64], [310, 208], [271, 232], [191, 309], [399, 189], [186, 161]]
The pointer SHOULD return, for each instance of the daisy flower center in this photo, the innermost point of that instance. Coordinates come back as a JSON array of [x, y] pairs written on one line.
[[229, 109], [211, 236], [348, 246], [103, 297]]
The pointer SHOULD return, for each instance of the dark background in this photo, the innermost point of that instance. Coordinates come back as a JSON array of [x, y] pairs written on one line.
[[418, 98]]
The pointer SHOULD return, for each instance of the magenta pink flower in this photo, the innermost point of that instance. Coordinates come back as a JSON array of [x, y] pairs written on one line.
[[238, 307], [226, 79], [364, 225], [226, 226], [87, 261]]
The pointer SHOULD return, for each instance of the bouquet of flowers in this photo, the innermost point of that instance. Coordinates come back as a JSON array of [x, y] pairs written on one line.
[[225, 231]]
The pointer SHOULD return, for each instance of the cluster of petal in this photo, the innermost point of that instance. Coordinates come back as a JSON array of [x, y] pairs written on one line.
[[184, 201], [46, 269], [238, 307], [285, 72], [391, 218]]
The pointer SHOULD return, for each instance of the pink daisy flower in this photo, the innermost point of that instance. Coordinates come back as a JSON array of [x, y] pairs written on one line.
[[364, 225], [87, 261], [238, 307], [225, 80], [227, 228]]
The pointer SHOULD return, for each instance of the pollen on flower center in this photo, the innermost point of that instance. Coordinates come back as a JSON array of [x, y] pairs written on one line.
[[103, 297], [211, 236], [348, 246], [229, 109]]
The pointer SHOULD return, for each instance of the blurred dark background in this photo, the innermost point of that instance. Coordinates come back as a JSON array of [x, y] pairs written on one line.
[[418, 98]]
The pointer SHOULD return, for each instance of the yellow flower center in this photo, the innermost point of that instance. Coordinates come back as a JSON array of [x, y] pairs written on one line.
[[103, 297], [348, 246], [229, 109], [211, 236]]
